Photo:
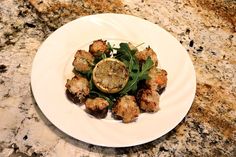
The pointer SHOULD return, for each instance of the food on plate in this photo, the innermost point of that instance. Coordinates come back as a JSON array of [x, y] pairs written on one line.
[[97, 107], [143, 55], [148, 100], [83, 61], [121, 80], [126, 109], [79, 87], [158, 79], [98, 47], [110, 75], [132, 47]]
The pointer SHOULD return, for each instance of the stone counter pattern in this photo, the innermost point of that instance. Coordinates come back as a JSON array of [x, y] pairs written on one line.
[[204, 28]]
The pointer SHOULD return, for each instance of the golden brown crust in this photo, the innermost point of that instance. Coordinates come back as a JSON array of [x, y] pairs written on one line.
[[157, 79], [78, 86], [97, 107], [142, 56], [83, 61], [98, 47], [126, 108], [148, 100]]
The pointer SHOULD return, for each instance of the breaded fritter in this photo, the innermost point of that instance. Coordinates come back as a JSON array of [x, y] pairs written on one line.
[[97, 107], [157, 79], [126, 109], [83, 61], [148, 100], [78, 86], [142, 56], [98, 47]]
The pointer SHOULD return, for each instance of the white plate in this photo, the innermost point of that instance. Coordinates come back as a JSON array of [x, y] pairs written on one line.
[[52, 66]]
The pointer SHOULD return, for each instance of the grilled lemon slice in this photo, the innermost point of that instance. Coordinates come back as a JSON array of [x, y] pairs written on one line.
[[110, 75]]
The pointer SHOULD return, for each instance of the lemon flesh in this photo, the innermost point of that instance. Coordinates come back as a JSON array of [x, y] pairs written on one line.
[[110, 75]]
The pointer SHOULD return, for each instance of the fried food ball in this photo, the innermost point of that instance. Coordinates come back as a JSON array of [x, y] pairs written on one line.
[[78, 86], [83, 61], [142, 56], [157, 79], [97, 107], [126, 109], [148, 100], [98, 47]]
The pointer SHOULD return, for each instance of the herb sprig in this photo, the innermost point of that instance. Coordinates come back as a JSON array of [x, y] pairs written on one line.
[[136, 72]]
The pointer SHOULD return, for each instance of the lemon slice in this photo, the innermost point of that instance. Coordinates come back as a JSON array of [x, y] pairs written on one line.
[[110, 75]]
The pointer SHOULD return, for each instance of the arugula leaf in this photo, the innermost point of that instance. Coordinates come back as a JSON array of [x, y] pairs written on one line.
[[97, 59], [131, 85], [103, 56], [110, 48], [125, 62], [145, 68], [137, 76], [126, 55]]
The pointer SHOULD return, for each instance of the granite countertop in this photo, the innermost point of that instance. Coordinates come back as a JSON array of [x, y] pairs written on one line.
[[206, 28]]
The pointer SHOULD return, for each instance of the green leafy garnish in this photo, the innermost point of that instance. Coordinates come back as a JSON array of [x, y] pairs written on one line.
[[136, 76], [103, 56], [110, 48], [126, 55], [143, 75], [137, 72], [99, 58]]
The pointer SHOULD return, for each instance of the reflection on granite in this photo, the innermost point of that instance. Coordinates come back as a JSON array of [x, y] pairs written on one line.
[[205, 28]]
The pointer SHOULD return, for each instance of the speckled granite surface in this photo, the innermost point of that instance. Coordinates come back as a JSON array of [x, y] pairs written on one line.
[[206, 28]]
